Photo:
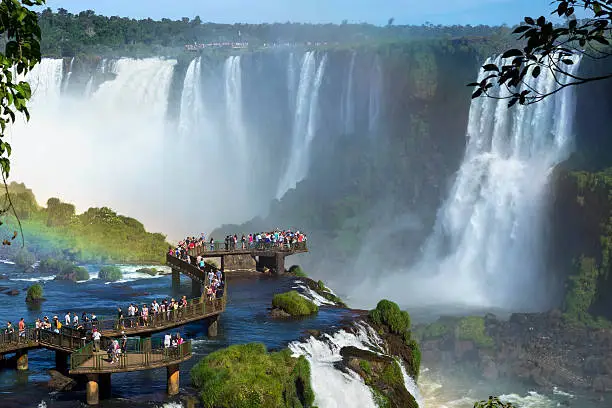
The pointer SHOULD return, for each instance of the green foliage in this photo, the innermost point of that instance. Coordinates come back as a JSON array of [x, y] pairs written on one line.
[[582, 290], [473, 328], [99, 235], [63, 269], [35, 293], [389, 313], [148, 271], [110, 273], [24, 258], [434, 330], [380, 399], [550, 47], [247, 376], [294, 304], [297, 271], [392, 374], [365, 366], [492, 402], [19, 27], [414, 365], [321, 285]]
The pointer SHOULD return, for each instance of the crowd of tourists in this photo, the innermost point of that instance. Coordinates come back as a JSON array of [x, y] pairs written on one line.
[[276, 239]]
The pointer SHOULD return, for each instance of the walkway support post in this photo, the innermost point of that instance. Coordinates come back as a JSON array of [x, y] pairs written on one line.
[[176, 279], [61, 361], [213, 325], [105, 385], [173, 376], [22, 360], [196, 288], [146, 343], [93, 389]]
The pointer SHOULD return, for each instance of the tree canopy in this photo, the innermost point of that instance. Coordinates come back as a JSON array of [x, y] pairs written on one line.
[[550, 47]]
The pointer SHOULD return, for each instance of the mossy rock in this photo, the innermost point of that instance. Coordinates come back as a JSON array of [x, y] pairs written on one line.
[[110, 273], [34, 294], [296, 270], [247, 376], [320, 288], [293, 303], [472, 328], [64, 270], [382, 374], [389, 314], [148, 271]]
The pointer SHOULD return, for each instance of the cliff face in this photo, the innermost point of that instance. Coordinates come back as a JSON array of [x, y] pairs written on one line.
[[363, 182]]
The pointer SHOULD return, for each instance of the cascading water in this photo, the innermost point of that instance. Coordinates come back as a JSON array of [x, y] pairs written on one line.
[[291, 82], [46, 81], [192, 104], [486, 248], [68, 75], [334, 388], [304, 123], [348, 105], [375, 97], [233, 106]]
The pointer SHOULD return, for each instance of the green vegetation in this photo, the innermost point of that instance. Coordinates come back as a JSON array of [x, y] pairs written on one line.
[[473, 328], [64, 270], [247, 376], [294, 304], [321, 285], [414, 365], [110, 273], [434, 330], [389, 314], [99, 235], [297, 271], [365, 366], [148, 271], [492, 402], [34, 294], [24, 258]]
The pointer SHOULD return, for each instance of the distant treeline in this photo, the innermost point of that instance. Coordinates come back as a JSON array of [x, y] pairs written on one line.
[[67, 35], [99, 235]]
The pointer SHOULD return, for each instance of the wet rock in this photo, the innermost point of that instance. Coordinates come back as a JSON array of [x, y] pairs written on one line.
[[4, 277], [13, 292], [279, 314], [60, 382]]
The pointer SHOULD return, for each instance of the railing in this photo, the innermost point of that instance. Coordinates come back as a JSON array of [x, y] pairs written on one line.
[[86, 359], [59, 340], [68, 339], [9, 341], [255, 246], [188, 269], [195, 308]]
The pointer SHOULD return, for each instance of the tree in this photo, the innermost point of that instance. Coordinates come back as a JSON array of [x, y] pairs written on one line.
[[19, 25], [390, 22], [552, 48], [492, 402]]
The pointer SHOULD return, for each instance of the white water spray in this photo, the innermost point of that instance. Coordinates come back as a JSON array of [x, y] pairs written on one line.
[[305, 123], [349, 100], [376, 95], [192, 104]]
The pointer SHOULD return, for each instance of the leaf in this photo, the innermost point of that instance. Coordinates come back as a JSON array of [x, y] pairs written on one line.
[[512, 53], [573, 24], [529, 20], [14, 235], [490, 67], [601, 40], [541, 21], [477, 93], [521, 29], [567, 61], [471, 84], [536, 71], [512, 102]]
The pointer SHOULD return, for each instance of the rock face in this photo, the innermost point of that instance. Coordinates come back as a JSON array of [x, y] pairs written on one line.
[[539, 349], [381, 373], [60, 382]]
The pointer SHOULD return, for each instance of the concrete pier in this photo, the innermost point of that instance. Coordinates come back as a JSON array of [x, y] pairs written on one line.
[[173, 377], [176, 279], [213, 326], [61, 361], [93, 389], [22, 360]]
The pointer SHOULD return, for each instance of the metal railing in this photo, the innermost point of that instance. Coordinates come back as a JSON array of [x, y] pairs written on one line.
[[86, 359], [9, 341], [255, 246], [194, 308], [67, 338]]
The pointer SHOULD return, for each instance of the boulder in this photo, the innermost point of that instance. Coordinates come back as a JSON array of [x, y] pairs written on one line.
[[277, 313], [59, 382], [13, 292]]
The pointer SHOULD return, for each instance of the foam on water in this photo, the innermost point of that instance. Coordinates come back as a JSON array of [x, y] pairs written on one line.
[[34, 279]]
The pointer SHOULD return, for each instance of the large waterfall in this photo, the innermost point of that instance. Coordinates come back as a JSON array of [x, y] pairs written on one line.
[[486, 249]]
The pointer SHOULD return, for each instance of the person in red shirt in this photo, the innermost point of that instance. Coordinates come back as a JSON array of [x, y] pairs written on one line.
[[22, 332]]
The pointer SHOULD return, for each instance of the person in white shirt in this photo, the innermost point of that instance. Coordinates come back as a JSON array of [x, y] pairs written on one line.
[[167, 340], [75, 320], [67, 319], [96, 338]]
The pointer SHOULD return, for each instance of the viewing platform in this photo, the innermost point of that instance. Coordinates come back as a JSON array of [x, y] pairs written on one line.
[[254, 257]]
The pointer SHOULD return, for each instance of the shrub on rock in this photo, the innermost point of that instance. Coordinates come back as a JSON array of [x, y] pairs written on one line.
[[294, 304], [34, 294], [110, 273]]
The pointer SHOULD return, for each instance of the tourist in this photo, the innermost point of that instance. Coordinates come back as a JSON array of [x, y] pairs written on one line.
[[167, 340], [56, 325], [75, 319], [96, 336], [22, 328], [124, 340], [120, 322], [67, 319], [10, 330]]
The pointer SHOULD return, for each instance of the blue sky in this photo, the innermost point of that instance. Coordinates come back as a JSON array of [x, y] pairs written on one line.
[[372, 11]]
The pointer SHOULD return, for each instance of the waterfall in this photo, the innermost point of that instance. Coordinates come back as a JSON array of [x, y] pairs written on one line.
[[291, 82], [46, 82], [304, 122], [349, 102], [375, 97], [334, 388], [486, 248], [233, 109], [192, 105], [68, 75]]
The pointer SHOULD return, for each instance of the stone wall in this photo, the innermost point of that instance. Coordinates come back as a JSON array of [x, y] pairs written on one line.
[[238, 263]]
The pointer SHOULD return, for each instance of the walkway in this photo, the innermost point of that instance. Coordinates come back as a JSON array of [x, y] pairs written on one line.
[[257, 249], [86, 361]]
